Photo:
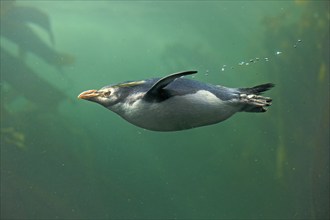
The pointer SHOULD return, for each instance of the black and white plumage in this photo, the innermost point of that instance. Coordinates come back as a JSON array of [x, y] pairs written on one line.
[[175, 103]]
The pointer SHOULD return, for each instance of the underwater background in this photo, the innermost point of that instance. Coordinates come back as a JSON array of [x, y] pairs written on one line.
[[64, 158]]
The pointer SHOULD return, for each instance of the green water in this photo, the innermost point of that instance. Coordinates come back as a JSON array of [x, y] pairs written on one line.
[[64, 158]]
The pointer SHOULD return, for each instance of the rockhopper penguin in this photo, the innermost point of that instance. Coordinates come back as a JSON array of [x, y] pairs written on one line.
[[174, 103]]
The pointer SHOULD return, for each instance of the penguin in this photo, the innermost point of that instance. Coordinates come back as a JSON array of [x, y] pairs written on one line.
[[175, 103]]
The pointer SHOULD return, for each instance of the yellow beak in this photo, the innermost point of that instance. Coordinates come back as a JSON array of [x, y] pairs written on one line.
[[88, 94]]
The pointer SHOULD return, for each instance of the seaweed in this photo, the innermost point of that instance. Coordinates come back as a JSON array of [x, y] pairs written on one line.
[[302, 159]]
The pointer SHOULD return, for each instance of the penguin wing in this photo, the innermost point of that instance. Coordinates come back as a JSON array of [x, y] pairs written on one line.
[[156, 92]]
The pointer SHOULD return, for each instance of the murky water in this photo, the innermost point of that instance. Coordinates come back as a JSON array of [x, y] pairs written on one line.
[[64, 158]]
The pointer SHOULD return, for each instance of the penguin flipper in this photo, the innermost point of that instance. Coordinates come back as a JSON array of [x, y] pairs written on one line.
[[156, 90]]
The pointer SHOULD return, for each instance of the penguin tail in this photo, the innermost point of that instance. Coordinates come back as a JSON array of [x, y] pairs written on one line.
[[251, 99], [257, 90]]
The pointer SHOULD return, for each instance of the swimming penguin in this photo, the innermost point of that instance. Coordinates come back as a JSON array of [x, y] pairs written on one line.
[[174, 103]]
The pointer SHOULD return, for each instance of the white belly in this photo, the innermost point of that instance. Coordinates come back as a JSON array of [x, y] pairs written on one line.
[[178, 113]]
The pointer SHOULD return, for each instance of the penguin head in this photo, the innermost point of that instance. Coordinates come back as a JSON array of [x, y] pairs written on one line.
[[104, 96], [109, 96]]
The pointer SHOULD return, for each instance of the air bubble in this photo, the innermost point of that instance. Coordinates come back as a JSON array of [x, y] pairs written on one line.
[[296, 44]]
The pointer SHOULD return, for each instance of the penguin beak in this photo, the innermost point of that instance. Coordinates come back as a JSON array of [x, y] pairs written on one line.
[[88, 94]]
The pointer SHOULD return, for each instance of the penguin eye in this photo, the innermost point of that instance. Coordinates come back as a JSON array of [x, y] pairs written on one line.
[[107, 93]]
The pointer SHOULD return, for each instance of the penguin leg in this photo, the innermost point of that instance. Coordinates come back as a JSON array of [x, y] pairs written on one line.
[[254, 103]]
